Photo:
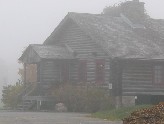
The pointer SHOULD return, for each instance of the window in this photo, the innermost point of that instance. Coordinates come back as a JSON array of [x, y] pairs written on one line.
[[159, 74]]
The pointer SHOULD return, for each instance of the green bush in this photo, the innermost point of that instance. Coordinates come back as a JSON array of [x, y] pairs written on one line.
[[10, 94], [83, 98]]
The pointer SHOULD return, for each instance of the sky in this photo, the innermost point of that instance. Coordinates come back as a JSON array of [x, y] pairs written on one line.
[[24, 22]]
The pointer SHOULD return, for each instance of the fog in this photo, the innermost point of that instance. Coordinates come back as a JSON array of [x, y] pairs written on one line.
[[25, 22]]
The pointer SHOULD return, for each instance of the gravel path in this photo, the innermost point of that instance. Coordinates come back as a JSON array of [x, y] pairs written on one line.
[[49, 118]]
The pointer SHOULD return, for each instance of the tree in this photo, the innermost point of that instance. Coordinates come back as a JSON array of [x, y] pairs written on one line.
[[10, 94], [134, 10], [114, 10]]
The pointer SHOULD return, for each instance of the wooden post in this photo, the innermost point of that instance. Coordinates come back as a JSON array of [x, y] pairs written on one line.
[[116, 80], [23, 105], [38, 72], [60, 71], [25, 74], [39, 103]]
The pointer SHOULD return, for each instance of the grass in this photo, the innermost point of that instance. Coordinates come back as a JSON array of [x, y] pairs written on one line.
[[118, 114]]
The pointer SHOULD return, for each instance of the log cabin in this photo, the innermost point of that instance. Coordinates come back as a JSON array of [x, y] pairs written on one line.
[[102, 49]]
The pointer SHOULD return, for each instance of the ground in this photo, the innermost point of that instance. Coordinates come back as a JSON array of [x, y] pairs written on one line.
[[49, 118]]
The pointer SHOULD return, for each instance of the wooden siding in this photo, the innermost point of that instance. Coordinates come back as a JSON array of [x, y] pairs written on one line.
[[64, 71], [31, 73], [85, 49], [30, 56], [38, 71], [135, 77], [139, 79], [72, 35], [82, 71], [49, 71], [91, 71]]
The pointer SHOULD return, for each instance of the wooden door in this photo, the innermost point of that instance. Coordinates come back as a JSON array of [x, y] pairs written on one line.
[[100, 71]]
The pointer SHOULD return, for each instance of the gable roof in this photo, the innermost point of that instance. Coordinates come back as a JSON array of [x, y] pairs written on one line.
[[52, 52], [117, 38], [35, 52]]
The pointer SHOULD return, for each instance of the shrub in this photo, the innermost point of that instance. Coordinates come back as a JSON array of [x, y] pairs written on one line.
[[10, 94], [83, 98]]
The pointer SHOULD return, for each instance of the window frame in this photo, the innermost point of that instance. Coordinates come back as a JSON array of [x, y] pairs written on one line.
[[158, 72]]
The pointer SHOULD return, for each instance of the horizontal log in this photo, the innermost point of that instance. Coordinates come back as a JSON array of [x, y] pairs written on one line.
[[142, 90], [142, 93], [137, 78], [137, 74], [136, 82]]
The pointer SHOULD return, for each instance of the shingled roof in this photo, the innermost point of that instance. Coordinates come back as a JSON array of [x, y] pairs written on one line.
[[117, 38], [36, 52], [52, 52]]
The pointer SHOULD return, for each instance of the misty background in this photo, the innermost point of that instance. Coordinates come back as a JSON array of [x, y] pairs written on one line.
[[24, 22]]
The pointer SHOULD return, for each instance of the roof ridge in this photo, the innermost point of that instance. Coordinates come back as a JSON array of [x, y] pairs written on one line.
[[75, 13]]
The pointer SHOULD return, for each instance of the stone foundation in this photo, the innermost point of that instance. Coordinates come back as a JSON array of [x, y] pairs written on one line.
[[124, 101], [128, 101]]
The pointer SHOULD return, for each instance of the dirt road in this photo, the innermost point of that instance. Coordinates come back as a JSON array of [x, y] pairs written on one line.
[[48, 118]]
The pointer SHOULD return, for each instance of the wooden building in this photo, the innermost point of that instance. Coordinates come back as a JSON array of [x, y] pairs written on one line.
[[101, 49]]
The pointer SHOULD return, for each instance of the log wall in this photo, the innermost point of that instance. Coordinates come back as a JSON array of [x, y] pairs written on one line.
[[85, 48], [139, 79]]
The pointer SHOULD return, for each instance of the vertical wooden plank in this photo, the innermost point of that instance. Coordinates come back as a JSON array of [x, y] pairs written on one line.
[[64, 71], [41, 64], [116, 80], [25, 74], [119, 73], [38, 104], [116, 77], [38, 72], [82, 70], [100, 71]]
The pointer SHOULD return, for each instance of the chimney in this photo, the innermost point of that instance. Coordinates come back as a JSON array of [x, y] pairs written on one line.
[[134, 10], [136, 0]]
